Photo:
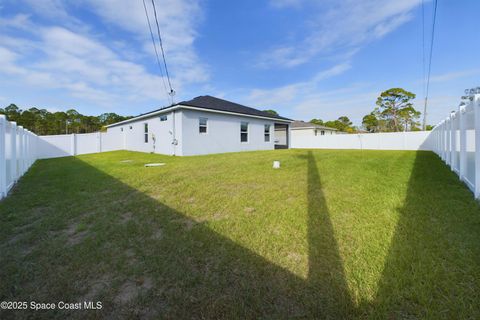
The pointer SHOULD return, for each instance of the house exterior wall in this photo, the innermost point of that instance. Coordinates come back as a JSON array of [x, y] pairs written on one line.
[[133, 134], [310, 132], [223, 133]]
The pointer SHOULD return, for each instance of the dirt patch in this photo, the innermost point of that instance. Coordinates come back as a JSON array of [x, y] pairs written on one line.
[[127, 216], [130, 290], [95, 288], [190, 200], [249, 210], [295, 257], [75, 237], [25, 227], [15, 239], [157, 235], [130, 253], [215, 217], [187, 223]]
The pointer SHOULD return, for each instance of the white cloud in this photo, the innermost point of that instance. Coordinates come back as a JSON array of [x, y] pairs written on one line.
[[290, 92], [339, 27], [286, 3], [87, 64], [449, 76], [306, 100]]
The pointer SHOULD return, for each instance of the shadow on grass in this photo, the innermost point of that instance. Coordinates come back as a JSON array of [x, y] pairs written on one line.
[[325, 268], [433, 268], [144, 259]]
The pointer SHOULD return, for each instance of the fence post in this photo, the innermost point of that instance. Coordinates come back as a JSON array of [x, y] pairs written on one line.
[[13, 140], [463, 143], [99, 141], [444, 143], [447, 140], [3, 166], [73, 146], [453, 140], [24, 151], [476, 112]]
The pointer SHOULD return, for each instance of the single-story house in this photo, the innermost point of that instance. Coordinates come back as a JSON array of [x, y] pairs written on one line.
[[303, 129], [204, 125]]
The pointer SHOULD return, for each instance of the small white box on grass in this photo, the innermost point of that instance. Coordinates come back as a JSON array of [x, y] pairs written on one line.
[[154, 164], [276, 164]]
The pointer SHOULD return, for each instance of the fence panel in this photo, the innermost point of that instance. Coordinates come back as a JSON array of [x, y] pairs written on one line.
[[373, 141], [456, 140], [65, 145], [17, 153]]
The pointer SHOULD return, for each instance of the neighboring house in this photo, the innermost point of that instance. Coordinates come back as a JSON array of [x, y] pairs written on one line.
[[204, 125], [301, 129]]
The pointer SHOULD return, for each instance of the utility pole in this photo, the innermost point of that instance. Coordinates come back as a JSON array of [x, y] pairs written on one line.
[[424, 123]]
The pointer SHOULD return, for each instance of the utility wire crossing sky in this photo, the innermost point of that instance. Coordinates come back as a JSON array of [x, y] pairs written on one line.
[[305, 59]]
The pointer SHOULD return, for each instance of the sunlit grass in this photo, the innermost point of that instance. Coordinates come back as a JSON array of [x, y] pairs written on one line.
[[368, 234]]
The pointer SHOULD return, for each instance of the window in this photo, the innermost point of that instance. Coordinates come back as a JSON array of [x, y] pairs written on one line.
[[316, 132], [244, 132], [322, 133], [121, 129], [202, 125], [146, 132], [163, 118], [267, 133], [130, 127]]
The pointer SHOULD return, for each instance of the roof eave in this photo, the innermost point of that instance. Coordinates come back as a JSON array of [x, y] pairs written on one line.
[[186, 106]]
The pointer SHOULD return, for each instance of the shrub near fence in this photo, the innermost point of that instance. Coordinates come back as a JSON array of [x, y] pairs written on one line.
[[456, 140], [17, 153]]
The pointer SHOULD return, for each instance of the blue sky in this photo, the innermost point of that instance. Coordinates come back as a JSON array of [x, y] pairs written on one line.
[[305, 59]]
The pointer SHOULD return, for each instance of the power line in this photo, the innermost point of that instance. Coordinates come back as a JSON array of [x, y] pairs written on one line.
[[435, 4], [155, 47], [172, 92], [423, 48]]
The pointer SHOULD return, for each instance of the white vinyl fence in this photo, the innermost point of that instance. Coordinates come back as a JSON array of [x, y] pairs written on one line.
[[456, 140], [415, 140], [74, 144], [19, 148], [17, 153]]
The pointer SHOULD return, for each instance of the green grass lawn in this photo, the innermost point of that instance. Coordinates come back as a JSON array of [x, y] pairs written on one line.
[[332, 234]]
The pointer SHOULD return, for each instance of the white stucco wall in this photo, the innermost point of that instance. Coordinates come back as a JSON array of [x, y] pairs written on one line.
[[134, 134], [223, 133], [310, 132]]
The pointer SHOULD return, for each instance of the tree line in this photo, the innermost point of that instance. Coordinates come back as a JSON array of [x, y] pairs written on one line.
[[44, 122], [394, 112]]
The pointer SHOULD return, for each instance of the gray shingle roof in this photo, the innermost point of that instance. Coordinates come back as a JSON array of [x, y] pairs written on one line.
[[212, 103]]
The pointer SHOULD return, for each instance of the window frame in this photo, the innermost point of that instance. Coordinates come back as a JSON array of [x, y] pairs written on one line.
[[267, 133], [163, 117], [243, 132], [200, 125], [145, 132]]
